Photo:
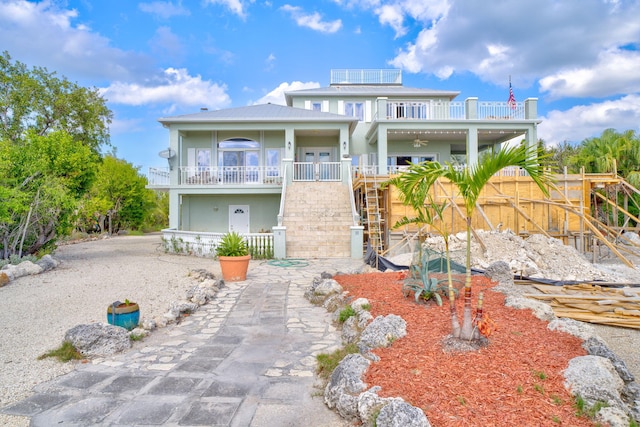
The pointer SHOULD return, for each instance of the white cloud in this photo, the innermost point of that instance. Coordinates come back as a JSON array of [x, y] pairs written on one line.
[[395, 13], [410, 59], [176, 87], [529, 39], [164, 9], [237, 7], [41, 34], [313, 21], [616, 72], [585, 121], [393, 16], [276, 96]]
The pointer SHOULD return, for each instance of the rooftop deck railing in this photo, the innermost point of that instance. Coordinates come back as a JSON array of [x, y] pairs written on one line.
[[364, 77]]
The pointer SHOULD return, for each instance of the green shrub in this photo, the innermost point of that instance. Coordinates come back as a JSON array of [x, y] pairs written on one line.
[[345, 313], [64, 353], [327, 363]]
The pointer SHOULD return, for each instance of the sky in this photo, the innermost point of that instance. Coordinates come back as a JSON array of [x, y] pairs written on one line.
[[153, 59]]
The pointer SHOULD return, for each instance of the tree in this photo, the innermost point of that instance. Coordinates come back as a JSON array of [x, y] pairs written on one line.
[[428, 211], [611, 150], [51, 134], [561, 156], [39, 101], [118, 197], [416, 183], [42, 178]]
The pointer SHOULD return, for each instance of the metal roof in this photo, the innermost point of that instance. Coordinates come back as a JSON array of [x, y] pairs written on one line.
[[259, 113]]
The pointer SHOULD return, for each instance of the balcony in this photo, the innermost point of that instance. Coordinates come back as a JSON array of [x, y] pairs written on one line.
[[218, 175], [471, 109]]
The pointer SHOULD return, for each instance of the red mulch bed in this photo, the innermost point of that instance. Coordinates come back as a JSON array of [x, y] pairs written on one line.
[[514, 381]]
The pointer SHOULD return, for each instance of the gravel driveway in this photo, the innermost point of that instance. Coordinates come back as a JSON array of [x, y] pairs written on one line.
[[38, 310]]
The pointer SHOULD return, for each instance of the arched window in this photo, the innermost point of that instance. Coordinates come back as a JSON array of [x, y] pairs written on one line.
[[238, 143]]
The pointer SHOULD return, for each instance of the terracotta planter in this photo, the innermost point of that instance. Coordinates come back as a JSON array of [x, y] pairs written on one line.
[[126, 315], [234, 268]]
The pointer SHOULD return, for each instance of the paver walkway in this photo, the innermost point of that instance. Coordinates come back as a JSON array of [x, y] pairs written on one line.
[[245, 359]]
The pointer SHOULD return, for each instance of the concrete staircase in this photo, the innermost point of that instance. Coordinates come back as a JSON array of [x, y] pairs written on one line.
[[318, 220]]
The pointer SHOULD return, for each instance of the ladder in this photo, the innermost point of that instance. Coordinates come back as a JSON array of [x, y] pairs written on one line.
[[373, 213]]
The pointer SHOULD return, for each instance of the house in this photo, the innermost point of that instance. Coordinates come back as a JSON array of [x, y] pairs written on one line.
[[283, 175]]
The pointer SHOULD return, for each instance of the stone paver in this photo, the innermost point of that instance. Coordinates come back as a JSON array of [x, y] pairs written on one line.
[[245, 359]]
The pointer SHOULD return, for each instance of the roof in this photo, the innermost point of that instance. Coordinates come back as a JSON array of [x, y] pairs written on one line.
[[259, 113], [371, 90]]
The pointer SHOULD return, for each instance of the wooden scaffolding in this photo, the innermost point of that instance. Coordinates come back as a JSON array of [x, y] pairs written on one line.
[[588, 211]]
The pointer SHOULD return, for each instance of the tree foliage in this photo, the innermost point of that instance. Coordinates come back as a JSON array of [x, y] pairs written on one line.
[[42, 178], [609, 152], [119, 200], [38, 101], [51, 133], [416, 183]]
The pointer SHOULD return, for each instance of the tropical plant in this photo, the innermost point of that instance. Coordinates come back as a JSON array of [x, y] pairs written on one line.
[[417, 181], [428, 211], [232, 244], [423, 286]]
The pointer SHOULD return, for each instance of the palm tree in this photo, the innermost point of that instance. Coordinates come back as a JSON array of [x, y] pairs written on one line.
[[420, 178], [428, 211]]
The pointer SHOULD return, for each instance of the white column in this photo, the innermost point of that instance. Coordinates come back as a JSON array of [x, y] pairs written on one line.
[[382, 150], [472, 146]]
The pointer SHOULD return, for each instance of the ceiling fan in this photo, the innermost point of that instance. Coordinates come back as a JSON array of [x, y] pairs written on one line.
[[417, 143]]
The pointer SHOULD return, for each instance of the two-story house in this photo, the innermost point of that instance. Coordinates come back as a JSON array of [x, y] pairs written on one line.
[[282, 175]]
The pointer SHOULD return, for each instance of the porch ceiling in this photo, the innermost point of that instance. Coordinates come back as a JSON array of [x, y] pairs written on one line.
[[454, 136]]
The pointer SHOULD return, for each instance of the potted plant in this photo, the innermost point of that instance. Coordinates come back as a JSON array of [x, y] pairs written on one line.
[[233, 254], [124, 314]]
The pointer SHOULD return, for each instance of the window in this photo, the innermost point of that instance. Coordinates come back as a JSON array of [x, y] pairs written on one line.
[[401, 162], [316, 106], [204, 158], [238, 159], [354, 109], [238, 143]]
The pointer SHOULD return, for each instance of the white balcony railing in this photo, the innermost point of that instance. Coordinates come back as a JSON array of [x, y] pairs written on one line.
[[239, 175], [448, 110], [500, 110], [310, 171], [230, 175], [158, 176], [424, 110]]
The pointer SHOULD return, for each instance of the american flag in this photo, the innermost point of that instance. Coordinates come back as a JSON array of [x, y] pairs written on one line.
[[512, 99]]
